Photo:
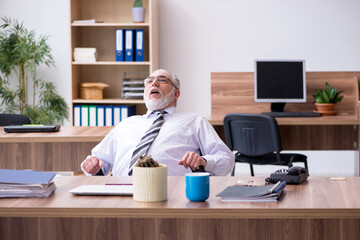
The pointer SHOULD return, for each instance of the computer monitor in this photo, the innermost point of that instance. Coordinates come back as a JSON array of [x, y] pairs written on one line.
[[279, 82]]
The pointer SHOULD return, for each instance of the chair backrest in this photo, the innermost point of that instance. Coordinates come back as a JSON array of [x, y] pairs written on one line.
[[252, 134], [13, 119]]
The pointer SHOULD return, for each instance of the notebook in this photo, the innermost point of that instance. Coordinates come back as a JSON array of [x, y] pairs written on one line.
[[126, 190], [267, 193], [13, 176], [31, 128]]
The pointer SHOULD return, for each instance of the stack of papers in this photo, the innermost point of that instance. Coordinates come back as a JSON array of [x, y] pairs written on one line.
[[82, 54], [26, 183], [267, 193], [133, 85]]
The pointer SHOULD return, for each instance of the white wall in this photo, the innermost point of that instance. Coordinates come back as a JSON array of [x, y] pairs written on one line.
[[203, 36]]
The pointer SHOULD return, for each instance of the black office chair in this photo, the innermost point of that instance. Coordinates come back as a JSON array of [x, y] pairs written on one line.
[[13, 119], [256, 139]]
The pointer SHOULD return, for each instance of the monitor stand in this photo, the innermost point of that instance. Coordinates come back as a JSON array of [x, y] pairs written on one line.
[[277, 107]]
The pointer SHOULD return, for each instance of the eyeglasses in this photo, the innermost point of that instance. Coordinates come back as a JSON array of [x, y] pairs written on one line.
[[250, 183], [160, 79]]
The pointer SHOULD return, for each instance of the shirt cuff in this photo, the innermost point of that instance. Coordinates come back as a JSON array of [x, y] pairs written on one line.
[[210, 164], [86, 173]]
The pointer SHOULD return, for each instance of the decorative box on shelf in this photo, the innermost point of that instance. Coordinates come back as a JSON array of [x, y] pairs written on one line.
[[90, 90]]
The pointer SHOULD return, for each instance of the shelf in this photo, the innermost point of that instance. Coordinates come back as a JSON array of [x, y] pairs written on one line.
[[102, 35], [145, 63], [110, 101], [111, 25]]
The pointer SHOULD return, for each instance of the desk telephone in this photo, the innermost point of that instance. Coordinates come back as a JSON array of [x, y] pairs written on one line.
[[295, 175]]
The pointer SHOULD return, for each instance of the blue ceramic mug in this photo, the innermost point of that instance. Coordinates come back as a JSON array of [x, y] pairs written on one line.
[[197, 186]]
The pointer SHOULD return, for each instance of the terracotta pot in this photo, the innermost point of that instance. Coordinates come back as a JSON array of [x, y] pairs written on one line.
[[326, 109]]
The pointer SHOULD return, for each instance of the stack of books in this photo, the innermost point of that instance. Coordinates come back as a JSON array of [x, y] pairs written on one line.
[[267, 193], [26, 183], [82, 54], [133, 86]]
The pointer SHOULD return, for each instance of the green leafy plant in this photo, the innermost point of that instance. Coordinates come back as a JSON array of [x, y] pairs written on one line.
[[21, 91], [328, 95], [138, 3], [146, 161]]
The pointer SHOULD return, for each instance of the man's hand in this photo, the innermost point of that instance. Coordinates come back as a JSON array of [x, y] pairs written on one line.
[[192, 160], [92, 165]]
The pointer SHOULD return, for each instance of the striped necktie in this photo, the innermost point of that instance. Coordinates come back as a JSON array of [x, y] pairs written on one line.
[[147, 139]]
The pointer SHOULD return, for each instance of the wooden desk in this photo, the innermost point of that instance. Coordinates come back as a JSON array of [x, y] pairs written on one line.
[[57, 151], [310, 133], [317, 209]]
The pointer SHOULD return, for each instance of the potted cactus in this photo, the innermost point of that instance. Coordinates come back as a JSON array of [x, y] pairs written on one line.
[[325, 99], [150, 180], [138, 12]]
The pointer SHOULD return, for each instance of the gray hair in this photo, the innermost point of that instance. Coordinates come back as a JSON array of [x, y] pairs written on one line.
[[175, 79]]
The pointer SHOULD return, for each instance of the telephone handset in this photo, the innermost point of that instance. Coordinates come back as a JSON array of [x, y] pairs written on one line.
[[295, 175]]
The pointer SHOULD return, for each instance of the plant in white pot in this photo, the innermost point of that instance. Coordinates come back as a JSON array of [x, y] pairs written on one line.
[[149, 180], [138, 12]]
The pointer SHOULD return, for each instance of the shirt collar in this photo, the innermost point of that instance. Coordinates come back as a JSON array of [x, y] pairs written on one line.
[[169, 110]]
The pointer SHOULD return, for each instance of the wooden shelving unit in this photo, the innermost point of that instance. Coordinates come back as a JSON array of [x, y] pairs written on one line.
[[115, 15]]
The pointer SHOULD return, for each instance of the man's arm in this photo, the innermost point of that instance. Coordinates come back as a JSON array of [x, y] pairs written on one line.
[[105, 151], [220, 159]]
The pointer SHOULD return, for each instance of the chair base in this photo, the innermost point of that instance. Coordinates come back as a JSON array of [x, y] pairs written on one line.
[[286, 159]]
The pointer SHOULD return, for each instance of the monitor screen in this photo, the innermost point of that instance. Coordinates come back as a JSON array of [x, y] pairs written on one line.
[[280, 81]]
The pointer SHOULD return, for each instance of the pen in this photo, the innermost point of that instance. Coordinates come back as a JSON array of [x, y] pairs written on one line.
[[274, 187], [118, 184]]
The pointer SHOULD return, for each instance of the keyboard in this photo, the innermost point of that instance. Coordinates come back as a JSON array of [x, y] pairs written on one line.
[[292, 114]]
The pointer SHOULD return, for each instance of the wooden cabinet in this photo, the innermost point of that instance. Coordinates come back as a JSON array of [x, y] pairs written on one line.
[[114, 14]]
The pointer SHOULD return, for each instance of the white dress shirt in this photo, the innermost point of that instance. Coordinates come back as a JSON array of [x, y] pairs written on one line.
[[181, 132]]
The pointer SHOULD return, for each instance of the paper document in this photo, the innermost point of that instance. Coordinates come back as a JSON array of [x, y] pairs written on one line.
[[103, 190]]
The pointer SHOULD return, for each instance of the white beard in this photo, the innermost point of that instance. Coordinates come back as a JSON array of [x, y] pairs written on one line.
[[159, 103]]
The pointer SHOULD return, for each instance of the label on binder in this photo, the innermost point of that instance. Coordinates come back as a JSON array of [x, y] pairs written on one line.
[[129, 42]]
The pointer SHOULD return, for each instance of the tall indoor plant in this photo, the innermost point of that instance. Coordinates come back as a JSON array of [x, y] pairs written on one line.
[[21, 91]]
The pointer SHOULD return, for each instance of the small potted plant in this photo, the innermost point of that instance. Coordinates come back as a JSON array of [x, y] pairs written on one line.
[[138, 12], [150, 180], [325, 99]]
